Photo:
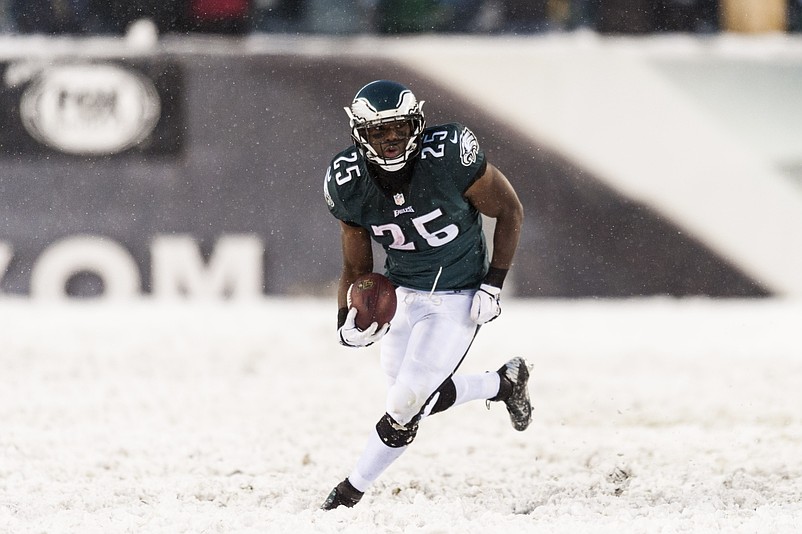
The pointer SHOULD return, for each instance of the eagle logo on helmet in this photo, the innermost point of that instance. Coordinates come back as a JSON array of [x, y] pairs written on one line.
[[364, 111]]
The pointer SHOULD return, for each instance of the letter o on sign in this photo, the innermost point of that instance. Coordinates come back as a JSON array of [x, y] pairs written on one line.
[[80, 254]]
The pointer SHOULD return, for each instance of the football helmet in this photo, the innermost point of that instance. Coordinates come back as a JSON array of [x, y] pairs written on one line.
[[381, 102]]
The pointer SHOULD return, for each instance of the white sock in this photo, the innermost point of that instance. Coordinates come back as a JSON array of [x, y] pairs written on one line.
[[475, 387], [375, 459]]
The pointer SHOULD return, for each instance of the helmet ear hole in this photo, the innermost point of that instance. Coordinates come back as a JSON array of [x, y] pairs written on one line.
[[380, 102]]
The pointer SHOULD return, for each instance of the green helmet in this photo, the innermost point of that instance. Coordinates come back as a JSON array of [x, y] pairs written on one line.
[[381, 102]]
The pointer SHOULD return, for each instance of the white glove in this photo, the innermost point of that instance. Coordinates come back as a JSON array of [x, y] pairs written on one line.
[[351, 336], [486, 306]]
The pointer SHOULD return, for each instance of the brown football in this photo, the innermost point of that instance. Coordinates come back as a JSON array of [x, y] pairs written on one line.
[[373, 296]]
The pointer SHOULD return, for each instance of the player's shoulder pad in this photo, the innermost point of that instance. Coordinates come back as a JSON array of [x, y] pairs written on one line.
[[341, 180], [459, 142], [342, 171]]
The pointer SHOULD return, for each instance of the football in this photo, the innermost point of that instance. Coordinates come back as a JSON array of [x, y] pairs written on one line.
[[373, 296]]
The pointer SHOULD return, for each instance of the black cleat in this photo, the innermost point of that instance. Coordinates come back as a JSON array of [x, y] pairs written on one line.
[[514, 392], [344, 494]]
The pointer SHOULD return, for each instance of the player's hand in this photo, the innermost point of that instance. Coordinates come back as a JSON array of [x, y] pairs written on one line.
[[351, 336], [486, 305]]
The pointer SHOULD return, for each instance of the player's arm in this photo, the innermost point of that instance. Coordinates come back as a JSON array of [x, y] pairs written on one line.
[[493, 195], [357, 260]]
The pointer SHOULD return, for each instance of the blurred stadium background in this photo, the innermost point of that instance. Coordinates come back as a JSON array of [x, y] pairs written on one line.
[[179, 148]]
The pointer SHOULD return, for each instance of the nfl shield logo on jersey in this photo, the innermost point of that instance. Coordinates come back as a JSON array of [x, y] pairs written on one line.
[[399, 199]]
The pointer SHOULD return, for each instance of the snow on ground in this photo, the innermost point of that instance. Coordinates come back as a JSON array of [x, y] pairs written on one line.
[[653, 415]]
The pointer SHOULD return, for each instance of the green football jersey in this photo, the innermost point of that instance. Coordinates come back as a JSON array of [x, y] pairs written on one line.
[[432, 235]]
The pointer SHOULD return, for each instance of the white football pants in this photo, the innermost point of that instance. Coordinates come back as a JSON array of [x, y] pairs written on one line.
[[429, 337]]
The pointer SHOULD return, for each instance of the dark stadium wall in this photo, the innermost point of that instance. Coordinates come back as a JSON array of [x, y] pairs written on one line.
[[240, 150]]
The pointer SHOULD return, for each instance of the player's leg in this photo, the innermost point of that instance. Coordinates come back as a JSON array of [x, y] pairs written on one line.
[[508, 385], [461, 388], [437, 342], [426, 343], [388, 439], [442, 335], [378, 454]]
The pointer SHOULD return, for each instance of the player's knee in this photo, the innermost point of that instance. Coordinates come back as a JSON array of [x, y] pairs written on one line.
[[402, 403], [394, 434]]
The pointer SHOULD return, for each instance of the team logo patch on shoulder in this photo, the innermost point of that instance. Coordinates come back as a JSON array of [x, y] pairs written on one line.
[[468, 147], [326, 194]]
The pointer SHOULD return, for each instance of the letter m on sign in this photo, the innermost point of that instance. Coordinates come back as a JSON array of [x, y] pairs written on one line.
[[234, 269]]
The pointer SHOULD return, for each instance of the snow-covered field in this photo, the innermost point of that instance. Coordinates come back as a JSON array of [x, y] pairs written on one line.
[[653, 415]]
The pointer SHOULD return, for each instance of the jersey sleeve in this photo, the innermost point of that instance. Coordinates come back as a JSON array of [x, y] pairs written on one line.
[[333, 194], [467, 156]]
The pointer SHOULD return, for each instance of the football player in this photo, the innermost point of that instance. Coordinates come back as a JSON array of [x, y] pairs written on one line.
[[420, 192]]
